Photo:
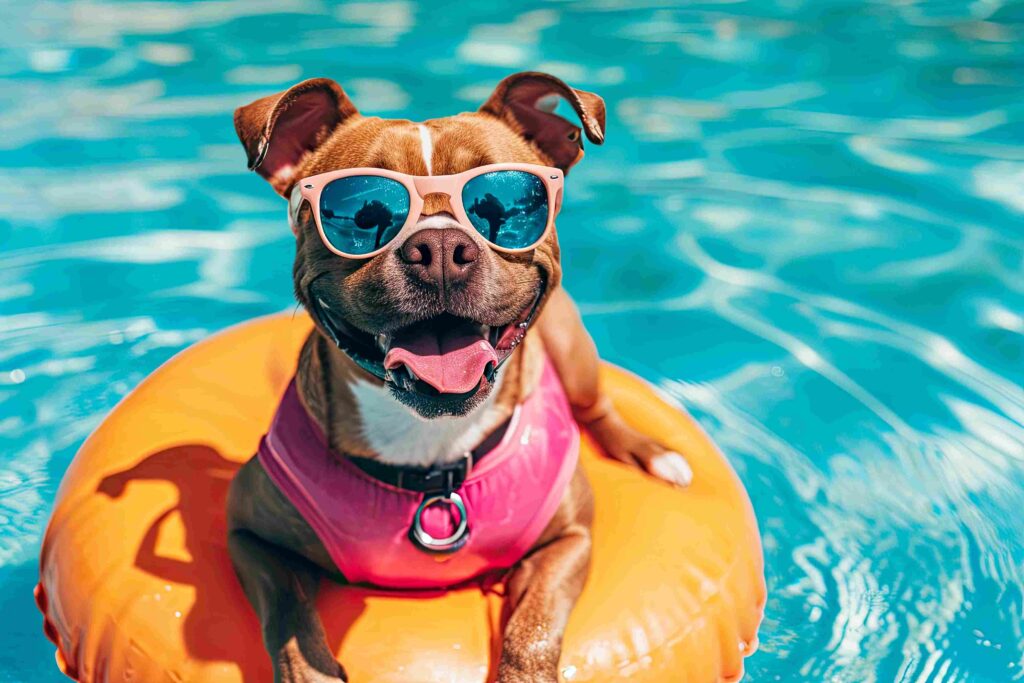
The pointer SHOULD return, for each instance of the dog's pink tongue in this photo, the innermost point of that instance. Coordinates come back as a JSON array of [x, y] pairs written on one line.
[[451, 361]]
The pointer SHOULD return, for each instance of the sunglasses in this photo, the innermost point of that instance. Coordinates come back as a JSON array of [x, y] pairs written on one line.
[[360, 211]]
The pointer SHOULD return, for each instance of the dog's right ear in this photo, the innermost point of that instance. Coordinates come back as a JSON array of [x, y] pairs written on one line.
[[280, 130]]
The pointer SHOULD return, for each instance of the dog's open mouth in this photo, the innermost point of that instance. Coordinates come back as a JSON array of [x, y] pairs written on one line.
[[445, 357]]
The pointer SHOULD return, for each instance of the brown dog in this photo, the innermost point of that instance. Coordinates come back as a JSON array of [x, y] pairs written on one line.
[[358, 305]]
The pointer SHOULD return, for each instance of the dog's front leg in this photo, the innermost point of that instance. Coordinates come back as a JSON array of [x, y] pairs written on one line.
[[541, 594], [281, 584], [574, 356], [543, 589], [282, 587]]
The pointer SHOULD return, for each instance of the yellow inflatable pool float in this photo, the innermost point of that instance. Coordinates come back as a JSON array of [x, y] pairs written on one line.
[[136, 583]]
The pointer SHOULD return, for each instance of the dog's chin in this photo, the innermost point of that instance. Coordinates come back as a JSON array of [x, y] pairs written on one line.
[[430, 404], [442, 365]]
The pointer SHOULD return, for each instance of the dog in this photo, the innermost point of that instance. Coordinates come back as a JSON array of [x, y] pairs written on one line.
[[429, 416]]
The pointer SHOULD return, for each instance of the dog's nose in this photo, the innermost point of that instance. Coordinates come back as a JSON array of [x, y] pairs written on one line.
[[442, 257]]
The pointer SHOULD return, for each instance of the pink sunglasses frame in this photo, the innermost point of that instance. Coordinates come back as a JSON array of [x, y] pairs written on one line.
[[421, 186]]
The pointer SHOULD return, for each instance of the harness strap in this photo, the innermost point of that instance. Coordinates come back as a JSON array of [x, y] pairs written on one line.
[[436, 479]]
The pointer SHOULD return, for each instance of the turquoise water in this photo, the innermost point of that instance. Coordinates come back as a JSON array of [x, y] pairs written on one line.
[[807, 225]]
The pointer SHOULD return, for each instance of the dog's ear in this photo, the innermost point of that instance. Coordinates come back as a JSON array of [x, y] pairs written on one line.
[[526, 101], [280, 130]]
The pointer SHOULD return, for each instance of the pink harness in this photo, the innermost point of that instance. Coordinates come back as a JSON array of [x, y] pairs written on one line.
[[369, 526]]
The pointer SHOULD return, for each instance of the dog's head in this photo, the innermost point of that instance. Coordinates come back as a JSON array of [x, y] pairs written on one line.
[[439, 297]]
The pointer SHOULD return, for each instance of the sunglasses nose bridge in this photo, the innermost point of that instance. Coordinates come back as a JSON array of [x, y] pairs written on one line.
[[432, 185], [436, 192]]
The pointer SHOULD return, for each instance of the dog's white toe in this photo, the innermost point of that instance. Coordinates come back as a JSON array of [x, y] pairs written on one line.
[[673, 468]]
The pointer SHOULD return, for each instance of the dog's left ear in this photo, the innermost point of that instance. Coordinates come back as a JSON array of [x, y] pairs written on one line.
[[280, 130], [526, 101]]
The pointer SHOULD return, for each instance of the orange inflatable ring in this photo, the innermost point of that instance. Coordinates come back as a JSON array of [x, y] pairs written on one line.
[[136, 583]]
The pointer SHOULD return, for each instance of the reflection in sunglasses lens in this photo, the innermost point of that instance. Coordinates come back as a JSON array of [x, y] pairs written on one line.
[[361, 214], [509, 208]]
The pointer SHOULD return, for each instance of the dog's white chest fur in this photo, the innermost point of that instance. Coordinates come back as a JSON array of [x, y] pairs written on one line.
[[401, 437]]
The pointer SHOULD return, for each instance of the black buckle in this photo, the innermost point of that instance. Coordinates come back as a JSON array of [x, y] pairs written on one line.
[[436, 480], [440, 480]]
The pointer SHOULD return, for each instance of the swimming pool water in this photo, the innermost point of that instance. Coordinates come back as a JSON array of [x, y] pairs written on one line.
[[807, 225]]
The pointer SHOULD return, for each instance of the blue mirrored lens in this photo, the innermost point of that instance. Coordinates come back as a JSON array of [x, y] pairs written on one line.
[[362, 213], [509, 208]]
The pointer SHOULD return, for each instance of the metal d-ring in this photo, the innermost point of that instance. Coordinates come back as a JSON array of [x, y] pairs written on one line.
[[440, 545]]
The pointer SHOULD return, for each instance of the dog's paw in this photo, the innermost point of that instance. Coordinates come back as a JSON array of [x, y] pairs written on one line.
[[671, 467], [508, 674], [307, 675], [622, 442], [294, 665], [505, 677]]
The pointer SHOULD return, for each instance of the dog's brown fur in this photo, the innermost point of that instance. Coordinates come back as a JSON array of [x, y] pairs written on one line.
[[313, 128]]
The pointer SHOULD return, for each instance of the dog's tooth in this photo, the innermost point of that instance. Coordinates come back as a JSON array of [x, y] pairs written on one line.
[[412, 375], [401, 377], [384, 341]]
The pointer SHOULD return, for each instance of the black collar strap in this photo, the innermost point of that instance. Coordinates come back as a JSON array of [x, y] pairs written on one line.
[[436, 479]]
